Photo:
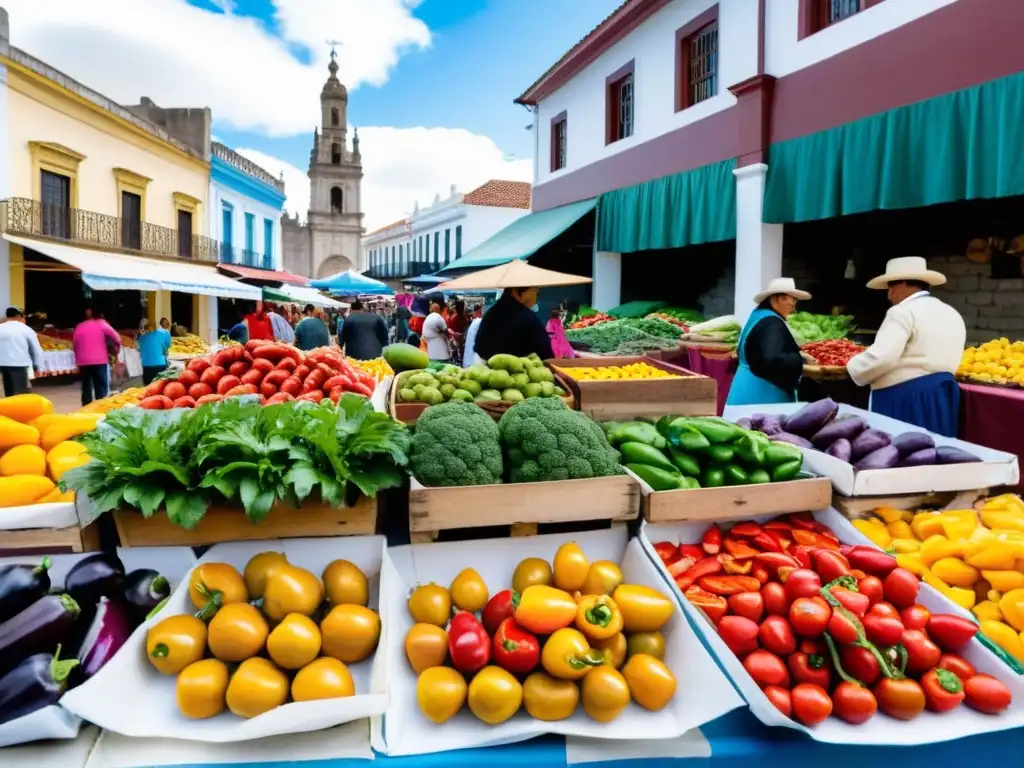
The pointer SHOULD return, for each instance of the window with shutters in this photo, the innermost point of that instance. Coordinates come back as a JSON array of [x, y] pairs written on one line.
[[55, 190], [458, 242], [620, 104], [185, 234], [697, 60], [437, 249], [816, 15], [559, 141], [447, 246], [131, 220]]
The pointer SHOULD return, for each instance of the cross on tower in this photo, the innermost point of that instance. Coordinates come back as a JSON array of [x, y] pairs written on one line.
[[334, 48]]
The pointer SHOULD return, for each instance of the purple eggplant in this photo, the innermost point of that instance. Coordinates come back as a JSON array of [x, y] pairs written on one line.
[[22, 585], [788, 437], [812, 417], [949, 454], [885, 457], [744, 422], [110, 629], [44, 625], [770, 426], [143, 591], [922, 458], [847, 428], [867, 441], [841, 449], [93, 577], [912, 442], [37, 682]]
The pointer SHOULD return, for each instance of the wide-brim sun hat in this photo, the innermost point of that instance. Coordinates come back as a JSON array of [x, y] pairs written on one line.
[[784, 285], [907, 268], [514, 274]]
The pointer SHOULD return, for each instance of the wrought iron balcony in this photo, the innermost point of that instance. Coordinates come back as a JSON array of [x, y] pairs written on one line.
[[31, 218]]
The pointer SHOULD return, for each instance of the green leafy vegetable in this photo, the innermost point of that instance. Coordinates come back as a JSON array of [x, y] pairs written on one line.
[[808, 328]]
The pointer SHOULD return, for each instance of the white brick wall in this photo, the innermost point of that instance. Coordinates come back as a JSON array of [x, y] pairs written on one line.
[[990, 308]]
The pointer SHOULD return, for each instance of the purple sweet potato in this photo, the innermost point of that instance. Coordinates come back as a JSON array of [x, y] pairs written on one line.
[[789, 437], [847, 428], [912, 442], [948, 454], [840, 449], [770, 426], [812, 417], [922, 458], [744, 422], [886, 457], [757, 419], [867, 441]]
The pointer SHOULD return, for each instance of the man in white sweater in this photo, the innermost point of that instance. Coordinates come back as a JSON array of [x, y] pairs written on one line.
[[917, 350]]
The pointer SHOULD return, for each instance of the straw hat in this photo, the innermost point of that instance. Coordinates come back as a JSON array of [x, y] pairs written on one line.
[[784, 285], [907, 268], [514, 274]]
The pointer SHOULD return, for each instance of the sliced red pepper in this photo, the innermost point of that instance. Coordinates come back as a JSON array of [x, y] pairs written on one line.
[[785, 541], [712, 540], [780, 527], [680, 566], [766, 542], [691, 550], [842, 630], [813, 539], [739, 549], [706, 567], [802, 520], [772, 561], [830, 565], [803, 555], [747, 529], [729, 585], [666, 551], [714, 606], [760, 573], [733, 566]]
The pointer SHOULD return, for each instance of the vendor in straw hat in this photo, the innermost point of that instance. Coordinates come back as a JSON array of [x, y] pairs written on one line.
[[918, 348], [770, 362]]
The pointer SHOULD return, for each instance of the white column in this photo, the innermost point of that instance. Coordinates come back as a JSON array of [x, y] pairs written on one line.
[[758, 245], [607, 288], [5, 191], [212, 321]]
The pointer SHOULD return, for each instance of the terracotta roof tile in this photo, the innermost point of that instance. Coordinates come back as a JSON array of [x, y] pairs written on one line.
[[392, 225], [498, 193]]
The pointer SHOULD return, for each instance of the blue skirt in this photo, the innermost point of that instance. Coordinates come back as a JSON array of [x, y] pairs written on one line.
[[931, 402]]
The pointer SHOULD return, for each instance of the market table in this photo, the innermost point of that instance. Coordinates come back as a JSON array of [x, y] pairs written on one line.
[[993, 417]]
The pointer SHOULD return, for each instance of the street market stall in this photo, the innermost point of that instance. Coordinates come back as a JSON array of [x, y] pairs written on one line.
[[352, 283]]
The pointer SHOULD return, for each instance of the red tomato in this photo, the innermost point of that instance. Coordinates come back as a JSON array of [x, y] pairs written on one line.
[[775, 601], [957, 665], [809, 616], [174, 390], [902, 699], [883, 630], [986, 694], [830, 565], [854, 704], [949, 632], [739, 633], [872, 587], [802, 582], [777, 636], [854, 602], [750, 605], [766, 668], [810, 668], [779, 697], [884, 609], [860, 663], [915, 617], [922, 653], [811, 704], [901, 587]]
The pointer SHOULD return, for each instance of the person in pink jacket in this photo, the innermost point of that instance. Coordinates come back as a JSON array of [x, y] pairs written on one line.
[[94, 341], [556, 331]]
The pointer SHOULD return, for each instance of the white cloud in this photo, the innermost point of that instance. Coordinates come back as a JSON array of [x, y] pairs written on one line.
[[404, 166]]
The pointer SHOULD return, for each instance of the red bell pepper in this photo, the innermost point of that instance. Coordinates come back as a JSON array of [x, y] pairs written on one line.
[[943, 690], [733, 566], [870, 560], [766, 542], [666, 551], [739, 549], [712, 540], [830, 565], [680, 566], [691, 550], [747, 529], [706, 567], [515, 649], [949, 632], [500, 607], [468, 643]]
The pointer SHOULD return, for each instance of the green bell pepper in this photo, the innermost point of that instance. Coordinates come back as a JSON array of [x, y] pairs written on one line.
[[779, 453], [787, 470], [641, 453], [659, 479], [684, 461]]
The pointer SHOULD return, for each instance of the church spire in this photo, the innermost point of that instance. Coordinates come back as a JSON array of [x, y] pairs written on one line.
[[333, 66]]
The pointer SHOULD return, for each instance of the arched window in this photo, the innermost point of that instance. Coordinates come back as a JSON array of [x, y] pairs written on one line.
[[335, 118], [336, 200], [335, 153]]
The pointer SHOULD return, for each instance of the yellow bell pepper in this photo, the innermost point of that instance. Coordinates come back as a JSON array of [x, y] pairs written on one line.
[[890, 514], [1004, 581], [994, 595], [1010, 502], [1018, 564], [932, 580], [875, 532], [994, 556], [965, 598], [1011, 605], [937, 547], [905, 546], [955, 571], [900, 530], [926, 524], [986, 610], [1002, 520], [959, 524], [1004, 637], [912, 563]]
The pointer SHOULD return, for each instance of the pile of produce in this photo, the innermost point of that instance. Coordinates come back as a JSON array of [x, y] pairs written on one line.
[[378, 367], [833, 353], [623, 337], [850, 439], [290, 633], [637, 309], [128, 342], [123, 399], [537, 440], [239, 453], [53, 344], [828, 629], [589, 320], [701, 452], [999, 361], [559, 636], [504, 378], [721, 330], [188, 344], [86, 622], [276, 372], [975, 557], [682, 324], [809, 328], [632, 372], [37, 448]]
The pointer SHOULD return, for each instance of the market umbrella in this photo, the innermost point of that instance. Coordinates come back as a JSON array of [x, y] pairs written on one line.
[[301, 295], [425, 280], [351, 283], [514, 274]]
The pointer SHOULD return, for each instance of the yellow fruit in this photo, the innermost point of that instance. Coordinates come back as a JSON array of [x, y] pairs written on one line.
[[67, 428], [19, 490], [56, 496], [955, 572], [61, 465], [23, 460], [24, 408], [14, 433]]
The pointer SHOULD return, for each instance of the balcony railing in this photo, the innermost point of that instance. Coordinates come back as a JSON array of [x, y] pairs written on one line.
[[244, 257], [32, 218]]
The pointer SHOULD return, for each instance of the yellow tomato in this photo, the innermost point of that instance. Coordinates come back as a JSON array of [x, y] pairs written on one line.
[[468, 591], [531, 571], [256, 687], [430, 604], [570, 567], [201, 688], [237, 632], [176, 642], [614, 647], [324, 678], [295, 642], [426, 646], [651, 684], [494, 695], [259, 569], [605, 694], [350, 633], [345, 583], [549, 699], [603, 578], [644, 609], [440, 693], [291, 589], [216, 584]]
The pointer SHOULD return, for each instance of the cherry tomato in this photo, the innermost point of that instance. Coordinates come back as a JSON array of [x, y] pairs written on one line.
[[750, 605], [922, 653], [766, 668], [854, 704], [872, 587], [884, 609], [902, 699], [901, 587], [882, 630], [777, 636], [986, 694], [915, 617], [811, 704], [739, 633], [810, 668], [779, 697], [957, 665], [775, 601], [860, 663], [802, 582], [809, 616]]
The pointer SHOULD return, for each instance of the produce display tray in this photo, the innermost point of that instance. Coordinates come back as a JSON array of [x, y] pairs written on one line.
[[702, 694], [927, 728], [690, 395], [221, 524], [995, 468], [521, 505]]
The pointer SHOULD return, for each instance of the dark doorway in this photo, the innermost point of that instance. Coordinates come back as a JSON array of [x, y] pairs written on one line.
[[56, 204], [185, 234], [131, 221], [336, 200]]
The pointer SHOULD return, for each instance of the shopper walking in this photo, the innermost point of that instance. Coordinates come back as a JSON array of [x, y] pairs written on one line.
[[311, 332], [364, 334], [19, 351], [94, 341], [436, 332], [259, 325], [154, 347], [281, 328]]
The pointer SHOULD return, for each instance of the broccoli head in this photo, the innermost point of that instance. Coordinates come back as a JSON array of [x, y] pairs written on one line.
[[545, 440], [456, 444]]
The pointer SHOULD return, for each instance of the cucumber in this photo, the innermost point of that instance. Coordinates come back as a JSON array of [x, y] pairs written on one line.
[[659, 479], [684, 462], [641, 453]]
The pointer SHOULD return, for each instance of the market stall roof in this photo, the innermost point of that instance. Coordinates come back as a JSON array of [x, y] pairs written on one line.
[[523, 237], [425, 280], [104, 271], [351, 283], [515, 274], [266, 275], [300, 294]]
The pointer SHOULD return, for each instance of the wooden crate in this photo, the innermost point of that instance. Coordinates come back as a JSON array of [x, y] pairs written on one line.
[[520, 505], [691, 395], [863, 507], [737, 502], [222, 524], [50, 541]]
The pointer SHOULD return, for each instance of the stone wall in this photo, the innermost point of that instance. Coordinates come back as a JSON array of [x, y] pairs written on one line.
[[990, 308], [296, 248], [718, 300]]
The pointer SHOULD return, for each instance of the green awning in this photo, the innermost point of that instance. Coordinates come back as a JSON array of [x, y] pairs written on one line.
[[522, 238], [688, 208], [961, 146]]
